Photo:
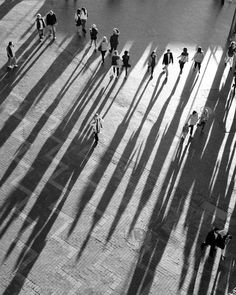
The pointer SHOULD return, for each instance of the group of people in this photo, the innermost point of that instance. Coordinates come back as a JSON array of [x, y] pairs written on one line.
[[195, 120], [183, 58], [50, 21], [217, 238]]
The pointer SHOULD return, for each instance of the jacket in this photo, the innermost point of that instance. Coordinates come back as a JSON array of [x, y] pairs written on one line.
[[51, 19], [183, 58], [152, 61], [198, 57], [114, 39], [125, 59], [193, 119], [93, 33], [114, 60], [40, 24], [167, 60], [10, 52], [83, 15], [211, 238], [104, 46]]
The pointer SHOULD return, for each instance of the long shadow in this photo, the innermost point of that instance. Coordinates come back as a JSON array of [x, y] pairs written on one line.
[[7, 6], [103, 164], [37, 92], [18, 198]]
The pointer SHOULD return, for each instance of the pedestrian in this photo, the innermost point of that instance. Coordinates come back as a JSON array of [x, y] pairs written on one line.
[[167, 59], [192, 121], [185, 131], [230, 54], [203, 119], [103, 47], [97, 124], [51, 22], [125, 60], [183, 58], [11, 56], [114, 39], [198, 58], [152, 62], [93, 36], [83, 18], [115, 62], [222, 241], [211, 241], [40, 25], [78, 19]]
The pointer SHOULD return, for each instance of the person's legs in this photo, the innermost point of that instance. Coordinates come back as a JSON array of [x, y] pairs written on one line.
[[195, 65], [152, 69], [103, 56], [126, 71], [117, 71], [181, 65], [191, 130], [9, 63], [203, 123], [231, 59], [167, 72], [114, 69], [54, 32], [199, 66]]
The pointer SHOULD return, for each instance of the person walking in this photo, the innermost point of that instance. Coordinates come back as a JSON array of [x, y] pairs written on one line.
[[11, 56], [97, 124], [51, 22], [211, 241], [125, 60], [192, 121], [78, 19], [230, 54], [185, 131], [103, 47], [183, 58], [115, 62], [167, 59], [83, 18], [40, 25], [198, 58], [203, 119], [152, 62], [222, 241], [93, 36], [114, 39]]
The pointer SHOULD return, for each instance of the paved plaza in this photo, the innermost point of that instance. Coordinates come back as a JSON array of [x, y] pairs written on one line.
[[128, 216]]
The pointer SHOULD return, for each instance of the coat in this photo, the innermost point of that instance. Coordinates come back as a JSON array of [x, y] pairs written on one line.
[[40, 24], [51, 19], [167, 60], [211, 238], [114, 39]]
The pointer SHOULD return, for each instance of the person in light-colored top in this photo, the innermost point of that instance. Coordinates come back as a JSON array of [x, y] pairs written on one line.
[[183, 58], [83, 18], [198, 58], [97, 124], [103, 47], [192, 121], [203, 119]]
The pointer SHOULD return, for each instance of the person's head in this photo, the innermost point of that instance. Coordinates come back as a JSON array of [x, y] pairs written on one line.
[[168, 50], [104, 39], [51, 12], [153, 53], [194, 112], [84, 9], [115, 31], [185, 50], [126, 52], [199, 49], [78, 11], [116, 52], [186, 124], [94, 26], [10, 43], [39, 15]]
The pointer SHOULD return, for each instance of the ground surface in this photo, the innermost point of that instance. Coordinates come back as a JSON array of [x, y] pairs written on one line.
[[128, 216]]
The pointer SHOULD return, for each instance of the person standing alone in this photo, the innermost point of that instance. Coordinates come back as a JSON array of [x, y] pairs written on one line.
[[152, 62], [198, 58], [51, 22], [97, 124], [192, 121], [11, 56], [167, 59]]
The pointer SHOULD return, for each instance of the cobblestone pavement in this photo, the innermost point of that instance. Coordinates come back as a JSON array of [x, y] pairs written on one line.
[[126, 217]]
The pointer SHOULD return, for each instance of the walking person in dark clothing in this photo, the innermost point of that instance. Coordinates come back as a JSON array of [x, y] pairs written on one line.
[[11, 56], [167, 59], [103, 47], [183, 58], [125, 60], [203, 119], [93, 36], [192, 121], [40, 25], [152, 62], [114, 39], [97, 124], [51, 22], [78, 19], [211, 241]]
